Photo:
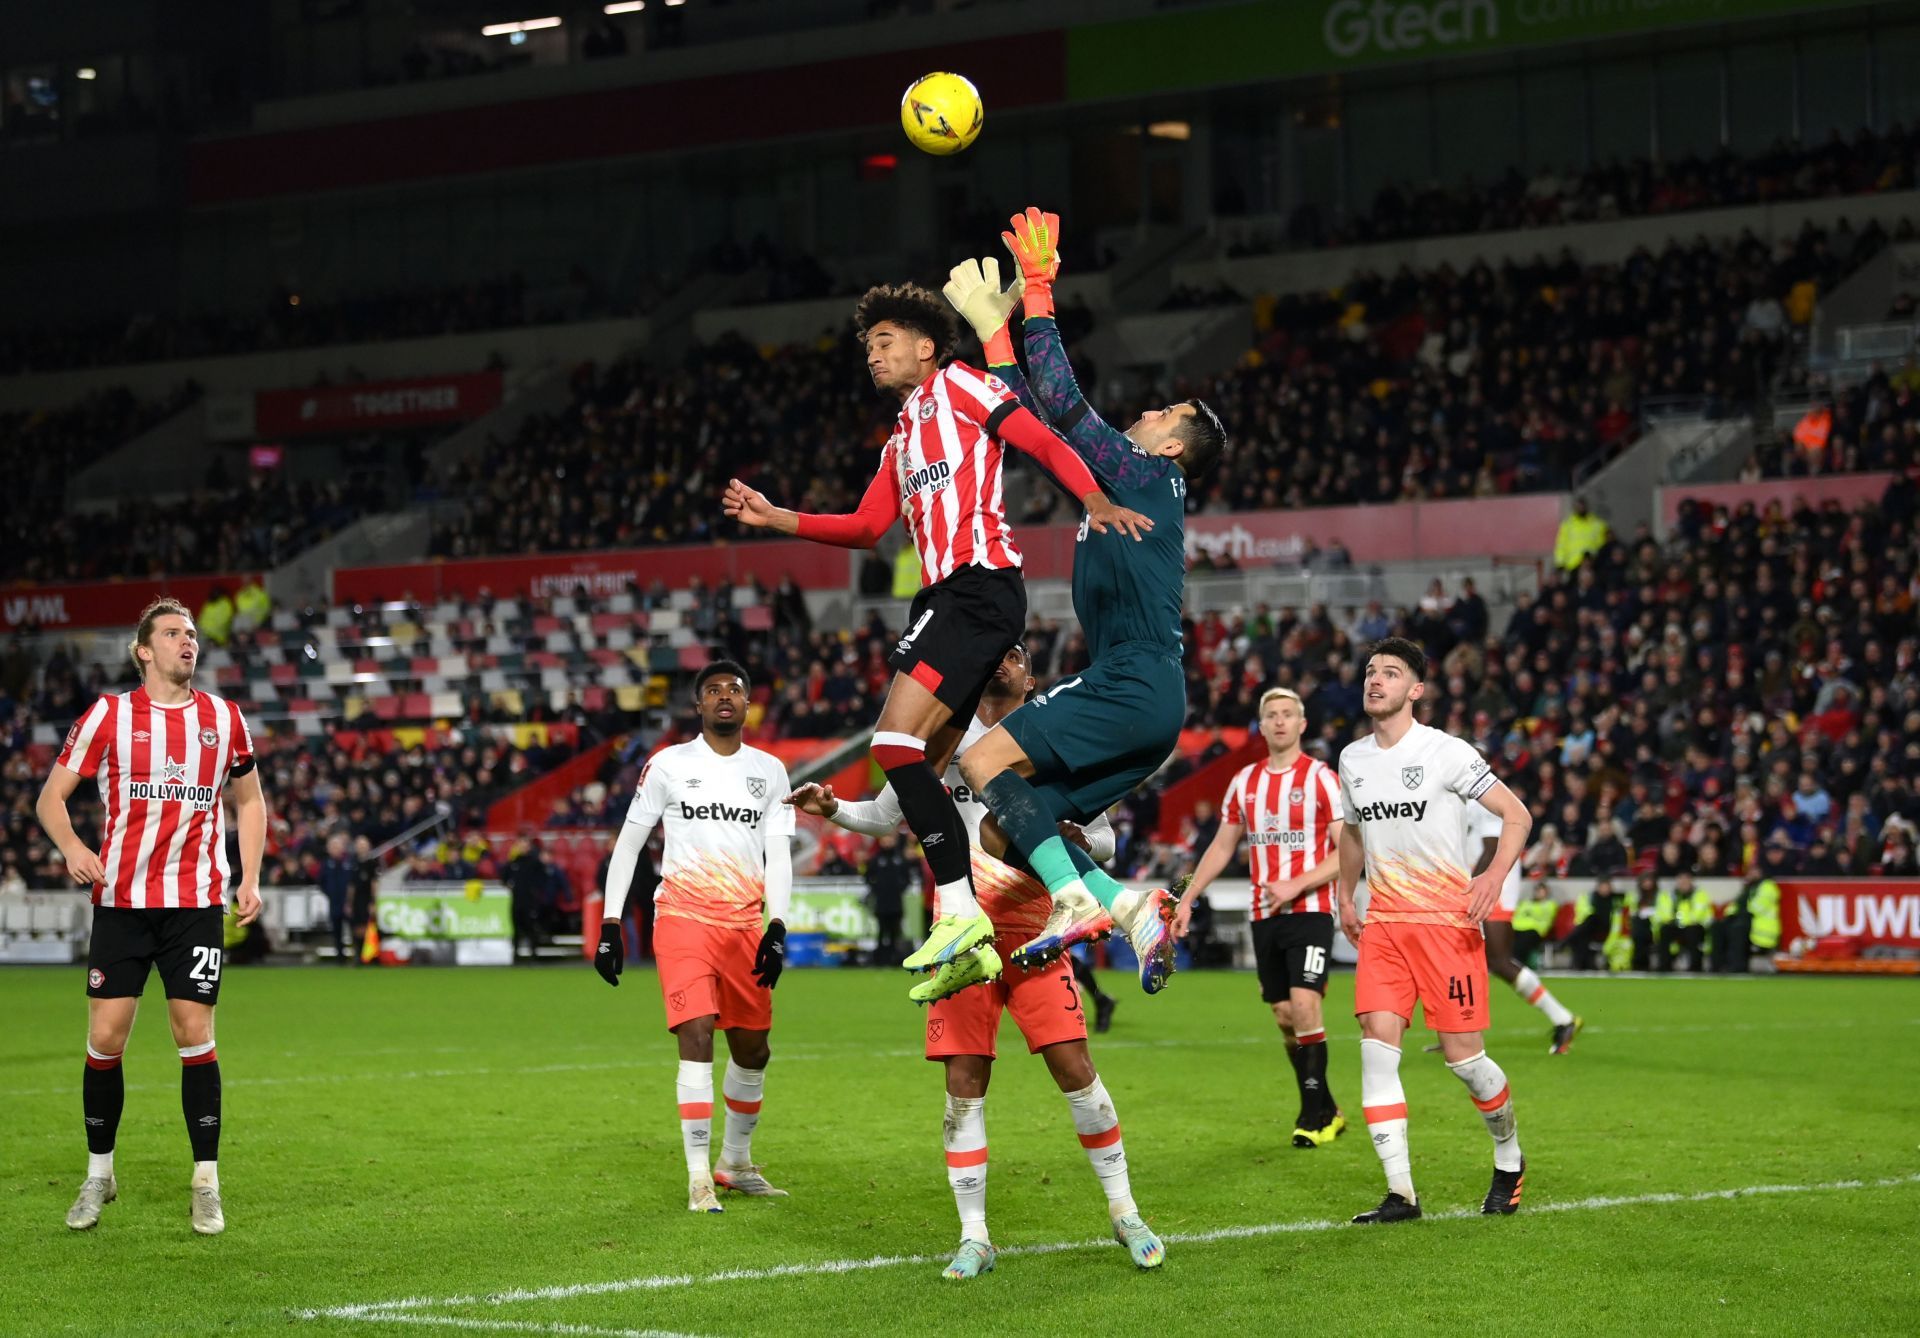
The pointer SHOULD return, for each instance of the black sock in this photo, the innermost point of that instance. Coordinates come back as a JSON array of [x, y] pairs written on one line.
[[1297, 1057], [929, 811], [103, 1095], [1084, 974], [200, 1101], [1314, 1096]]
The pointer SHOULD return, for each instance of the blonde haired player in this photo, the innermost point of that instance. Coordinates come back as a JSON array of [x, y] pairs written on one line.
[[1405, 788], [728, 859], [1288, 808], [160, 754], [969, 995]]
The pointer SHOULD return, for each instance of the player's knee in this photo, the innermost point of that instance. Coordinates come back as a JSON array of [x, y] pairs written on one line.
[[696, 1039], [1305, 1013], [1283, 1015], [749, 1050], [1071, 1065], [892, 750], [191, 1030], [967, 1075]]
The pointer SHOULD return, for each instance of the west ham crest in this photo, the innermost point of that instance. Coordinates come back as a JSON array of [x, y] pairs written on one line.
[[1412, 776], [757, 787]]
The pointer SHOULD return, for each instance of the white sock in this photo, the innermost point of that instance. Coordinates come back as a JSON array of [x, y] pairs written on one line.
[[1487, 1085], [693, 1089], [742, 1089], [1099, 1129], [964, 1135], [956, 898], [206, 1174], [99, 1165], [1527, 985], [1384, 1103]]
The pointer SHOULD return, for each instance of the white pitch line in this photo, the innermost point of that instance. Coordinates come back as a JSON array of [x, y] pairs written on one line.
[[387, 1309], [513, 1326]]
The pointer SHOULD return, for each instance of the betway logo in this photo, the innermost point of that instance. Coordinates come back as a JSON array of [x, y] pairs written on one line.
[[720, 813], [1352, 27], [35, 609], [1411, 808], [1888, 916]]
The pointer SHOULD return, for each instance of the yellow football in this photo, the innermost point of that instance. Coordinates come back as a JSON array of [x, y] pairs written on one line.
[[942, 113]]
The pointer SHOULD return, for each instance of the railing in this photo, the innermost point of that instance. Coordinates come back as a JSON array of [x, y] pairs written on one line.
[[1882, 341]]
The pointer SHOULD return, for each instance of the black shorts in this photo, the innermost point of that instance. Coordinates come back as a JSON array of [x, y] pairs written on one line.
[[957, 632], [186, 945], [1292, 952]]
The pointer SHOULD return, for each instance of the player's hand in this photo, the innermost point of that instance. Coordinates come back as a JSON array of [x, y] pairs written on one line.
[[1483, 894], [610, 958], [246, 900], [973, 289], [1101, 512], [747, 506], [84, 866], [815, 799], [1035, 243], [1074, 832], [771, 959], [1350, 924], [1182, 917]]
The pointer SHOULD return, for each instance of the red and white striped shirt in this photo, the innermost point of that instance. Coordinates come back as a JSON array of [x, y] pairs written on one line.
[[941, 470], [1288, 816], [160, 769], [947, 460]]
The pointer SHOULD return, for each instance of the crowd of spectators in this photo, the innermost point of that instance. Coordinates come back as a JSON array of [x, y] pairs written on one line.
[[289, 320], [1788, 170], [1745, 695], [1445, 384], [1872, 425]]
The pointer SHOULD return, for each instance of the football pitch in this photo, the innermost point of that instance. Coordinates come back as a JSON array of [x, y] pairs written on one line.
[[497, 1151]]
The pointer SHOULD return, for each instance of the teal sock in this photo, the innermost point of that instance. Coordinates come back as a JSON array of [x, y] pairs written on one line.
[[1030, 828], [1095, 878]]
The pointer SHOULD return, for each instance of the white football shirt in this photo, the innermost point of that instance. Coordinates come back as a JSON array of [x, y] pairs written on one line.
[[1483, 824], [1409, 802], [720, 813]]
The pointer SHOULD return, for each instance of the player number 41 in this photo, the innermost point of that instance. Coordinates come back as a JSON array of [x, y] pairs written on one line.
[[1461, 992]]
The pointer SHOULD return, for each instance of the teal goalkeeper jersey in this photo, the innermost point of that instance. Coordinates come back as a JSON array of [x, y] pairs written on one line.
[[1124, 591]]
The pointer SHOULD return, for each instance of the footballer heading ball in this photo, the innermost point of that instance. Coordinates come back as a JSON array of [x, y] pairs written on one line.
[[941, 113]]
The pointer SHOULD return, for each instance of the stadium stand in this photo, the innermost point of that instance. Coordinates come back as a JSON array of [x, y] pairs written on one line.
[[1867, 163]]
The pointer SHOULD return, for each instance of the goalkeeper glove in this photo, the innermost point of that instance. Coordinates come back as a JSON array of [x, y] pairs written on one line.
[[973, 289], [771, 959], [1035, 243], [610, 958]]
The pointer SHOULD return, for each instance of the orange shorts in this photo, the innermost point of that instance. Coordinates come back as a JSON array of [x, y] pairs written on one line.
[[1442, 966], [706, 971], [1045, 1006]]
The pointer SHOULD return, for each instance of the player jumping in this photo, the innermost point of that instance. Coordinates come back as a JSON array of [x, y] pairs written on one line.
[[1404, 789], [1045, 1003], [941, 469], [160, 755], [1289, 809], [1090, 739], [727, 860], [1483, 836]]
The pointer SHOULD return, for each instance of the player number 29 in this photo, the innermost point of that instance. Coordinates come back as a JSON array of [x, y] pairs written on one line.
[[206, 964]]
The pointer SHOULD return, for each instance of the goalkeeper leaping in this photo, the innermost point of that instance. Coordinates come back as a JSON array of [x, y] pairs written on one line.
[[1089, 740]]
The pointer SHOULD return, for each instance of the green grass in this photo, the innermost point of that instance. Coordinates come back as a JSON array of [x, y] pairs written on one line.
[[431, 1133]]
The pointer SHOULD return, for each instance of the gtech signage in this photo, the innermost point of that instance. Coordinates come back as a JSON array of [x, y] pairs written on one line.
[[1355, 26]]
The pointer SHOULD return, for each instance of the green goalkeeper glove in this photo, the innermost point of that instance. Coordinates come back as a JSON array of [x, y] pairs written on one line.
[[1035, 243], [973, 289]]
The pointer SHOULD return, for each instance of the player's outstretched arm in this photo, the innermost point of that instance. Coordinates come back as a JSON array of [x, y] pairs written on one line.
[[1034, 241], [878, 816], [1213, 863], [862, 528]]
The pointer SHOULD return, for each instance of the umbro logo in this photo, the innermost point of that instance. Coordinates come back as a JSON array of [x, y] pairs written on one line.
[[95, 1121], [207, 1121], [141, 736], [932, 839], [692, 782]]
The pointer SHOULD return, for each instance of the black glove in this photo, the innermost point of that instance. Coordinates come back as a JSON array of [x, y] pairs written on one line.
[[771, 959], [610, 959]]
